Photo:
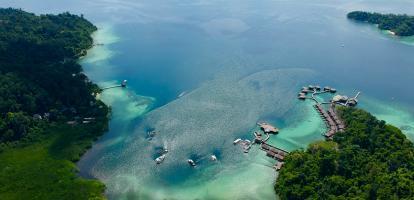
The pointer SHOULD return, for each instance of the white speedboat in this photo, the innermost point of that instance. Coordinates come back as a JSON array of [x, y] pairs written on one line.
[[181, 94], [160, 159], [237, 141], [191, 162], [213, 158]]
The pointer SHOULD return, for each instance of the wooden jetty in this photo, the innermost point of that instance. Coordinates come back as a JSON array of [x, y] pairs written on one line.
[[332, 121], [261, 139], [123, 84]]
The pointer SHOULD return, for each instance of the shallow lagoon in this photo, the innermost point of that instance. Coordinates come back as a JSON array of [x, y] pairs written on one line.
[[237, 62], [205, 121]]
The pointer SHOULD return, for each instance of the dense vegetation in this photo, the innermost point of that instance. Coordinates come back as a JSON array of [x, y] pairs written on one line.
[[402, 25], [370, 160], [48, 111]]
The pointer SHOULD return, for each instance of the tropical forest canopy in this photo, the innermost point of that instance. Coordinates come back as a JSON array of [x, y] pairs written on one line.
[[370, 160], [39, 73], [402, 25], [49, 115]]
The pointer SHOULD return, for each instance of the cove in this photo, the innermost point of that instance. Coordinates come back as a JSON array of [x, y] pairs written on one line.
[[237, 62]]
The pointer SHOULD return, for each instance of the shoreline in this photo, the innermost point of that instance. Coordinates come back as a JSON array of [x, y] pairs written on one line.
[[40, 159], [108, 114]]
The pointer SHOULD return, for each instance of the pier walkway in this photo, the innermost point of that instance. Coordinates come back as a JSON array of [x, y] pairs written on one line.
[[110, 87], [333, 122], [273, 152], [123, 84]]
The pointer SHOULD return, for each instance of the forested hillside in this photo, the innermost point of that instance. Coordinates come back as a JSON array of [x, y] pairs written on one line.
[[370, 160], [48, 112], [38, 70], [402, 25]]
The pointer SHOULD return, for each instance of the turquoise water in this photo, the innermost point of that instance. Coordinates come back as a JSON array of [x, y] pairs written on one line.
[[236, 63]]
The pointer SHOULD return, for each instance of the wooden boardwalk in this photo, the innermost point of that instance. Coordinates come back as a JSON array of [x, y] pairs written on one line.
[[110, 87], [123, 84]]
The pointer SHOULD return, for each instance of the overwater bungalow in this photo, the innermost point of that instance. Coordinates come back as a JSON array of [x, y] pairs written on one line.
[[283, 153], [302, 96], [267, 128], [340, 98], [305, 91], [270, 154], [279, 157], [265, 146], [330, 133], [273, 150]]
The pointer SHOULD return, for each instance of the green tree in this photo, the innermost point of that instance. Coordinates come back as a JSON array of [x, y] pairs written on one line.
[[370, 160]]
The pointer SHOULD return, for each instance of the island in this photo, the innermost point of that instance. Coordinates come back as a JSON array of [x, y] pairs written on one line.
[[368, 160], [49, 113], [400, 25]]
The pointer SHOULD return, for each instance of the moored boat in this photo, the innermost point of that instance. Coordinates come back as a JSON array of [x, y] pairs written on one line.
[[191, 162], [160, 159]]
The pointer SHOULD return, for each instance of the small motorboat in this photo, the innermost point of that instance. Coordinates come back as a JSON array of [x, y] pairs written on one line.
[[151, 134], [237, 141], [191, 162], [181, 94], [124, 83], [213, 158], [160, 159], [247, 142]]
